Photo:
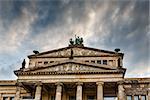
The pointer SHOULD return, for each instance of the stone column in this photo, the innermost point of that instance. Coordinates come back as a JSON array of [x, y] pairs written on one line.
[[140, 97], [18, 91], [79, 91], [58, 91], [100, 90], [38, 92], [148, 91], [8, 98], [121, 91], [0, 96]]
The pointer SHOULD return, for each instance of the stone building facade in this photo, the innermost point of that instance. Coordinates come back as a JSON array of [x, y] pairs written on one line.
[[75, 72]]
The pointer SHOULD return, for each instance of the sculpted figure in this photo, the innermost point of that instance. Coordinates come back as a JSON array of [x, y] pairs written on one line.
[[81, 40], [71, 42], [23, 64], [77, 41]]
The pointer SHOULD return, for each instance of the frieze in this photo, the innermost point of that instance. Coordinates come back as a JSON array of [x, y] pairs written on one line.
[[76, 52]]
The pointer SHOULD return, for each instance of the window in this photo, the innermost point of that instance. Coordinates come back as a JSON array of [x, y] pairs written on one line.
[[143, 97], [12, 98], [119, 62], [72, 98], [86, 61], [52, 97], [99, 61], [39, 62], [28, 97], [93, 61], [110, 98], [105, 62], [51, 61], [136, 97], [129, 97], [91, 98], [5, 98], [45, 62]]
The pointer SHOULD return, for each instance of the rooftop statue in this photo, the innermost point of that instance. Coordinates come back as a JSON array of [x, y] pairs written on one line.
[[71, 42], [77, 42], [23, 64]]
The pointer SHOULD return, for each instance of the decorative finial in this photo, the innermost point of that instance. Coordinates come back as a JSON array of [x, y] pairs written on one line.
[[35, 51], [117, 50]]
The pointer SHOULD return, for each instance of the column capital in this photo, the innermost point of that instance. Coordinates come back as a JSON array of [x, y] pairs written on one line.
[[39, 83], [100, 83], [59, 84], [149, 85], [19, 84], [79, 83], [120, 82]]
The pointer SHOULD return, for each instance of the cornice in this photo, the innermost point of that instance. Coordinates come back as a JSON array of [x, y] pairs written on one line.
[[70, 72]]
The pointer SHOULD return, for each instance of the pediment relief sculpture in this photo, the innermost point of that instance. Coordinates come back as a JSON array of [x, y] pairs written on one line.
[[77, 51], [69, 68]]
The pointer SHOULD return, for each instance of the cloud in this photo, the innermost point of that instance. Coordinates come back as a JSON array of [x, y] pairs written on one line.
[[46, 25], [17, 31]]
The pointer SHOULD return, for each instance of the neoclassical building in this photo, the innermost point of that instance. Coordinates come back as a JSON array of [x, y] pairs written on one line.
[[75, 72]]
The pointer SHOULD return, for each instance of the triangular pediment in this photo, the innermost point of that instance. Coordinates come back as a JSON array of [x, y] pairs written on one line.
[[70, 67], [75, 51]]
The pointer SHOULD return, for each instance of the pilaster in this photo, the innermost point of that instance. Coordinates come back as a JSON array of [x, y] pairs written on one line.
[[121, 91], [18, 91], [149, 91]]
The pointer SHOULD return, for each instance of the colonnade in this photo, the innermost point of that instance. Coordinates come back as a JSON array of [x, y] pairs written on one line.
[[79, 91]]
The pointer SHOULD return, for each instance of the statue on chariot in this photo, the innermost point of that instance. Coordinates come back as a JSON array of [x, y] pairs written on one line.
[[77, 42]]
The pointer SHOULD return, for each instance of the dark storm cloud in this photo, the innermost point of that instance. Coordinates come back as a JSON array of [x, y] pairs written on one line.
[[108, 24], [130, 35]]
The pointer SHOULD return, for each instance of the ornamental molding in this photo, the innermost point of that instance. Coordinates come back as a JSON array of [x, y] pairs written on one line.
[[69, 68]]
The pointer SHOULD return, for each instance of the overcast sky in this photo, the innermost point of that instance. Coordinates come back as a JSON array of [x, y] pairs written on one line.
[[46, 25]]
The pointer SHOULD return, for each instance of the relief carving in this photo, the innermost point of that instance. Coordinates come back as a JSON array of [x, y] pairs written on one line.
[[76, 52], [69, 68]]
